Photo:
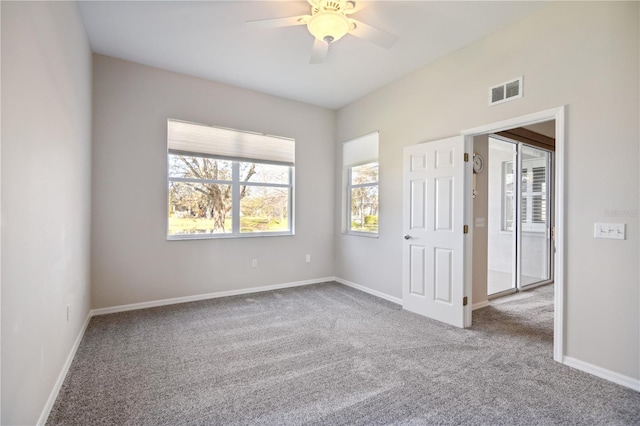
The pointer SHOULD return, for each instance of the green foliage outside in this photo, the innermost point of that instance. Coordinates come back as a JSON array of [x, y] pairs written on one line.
[[370, 225], [262, 224], [371, 220]]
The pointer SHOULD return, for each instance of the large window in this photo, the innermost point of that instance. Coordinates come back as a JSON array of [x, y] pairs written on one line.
[[360, 164], [226, 183]]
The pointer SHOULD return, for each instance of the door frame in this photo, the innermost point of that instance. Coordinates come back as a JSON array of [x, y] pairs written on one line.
[[557, 114]]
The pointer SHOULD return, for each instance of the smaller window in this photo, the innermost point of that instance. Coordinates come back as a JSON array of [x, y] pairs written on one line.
[[360, 165], [363, 198]]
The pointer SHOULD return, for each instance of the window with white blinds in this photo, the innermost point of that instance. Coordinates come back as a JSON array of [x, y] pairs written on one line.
[[229, 144], [534, 195]]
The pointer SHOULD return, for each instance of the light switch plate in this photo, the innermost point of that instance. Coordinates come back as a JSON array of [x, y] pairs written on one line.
[[613, 231]]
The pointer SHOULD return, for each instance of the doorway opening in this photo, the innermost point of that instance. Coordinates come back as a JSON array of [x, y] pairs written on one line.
[[477, 214]]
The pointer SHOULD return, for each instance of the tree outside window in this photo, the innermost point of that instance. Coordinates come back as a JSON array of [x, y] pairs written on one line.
[[360, 168], [363, 193], [210, 195]]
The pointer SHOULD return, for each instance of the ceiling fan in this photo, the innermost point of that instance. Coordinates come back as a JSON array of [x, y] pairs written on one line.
[[328, 23]]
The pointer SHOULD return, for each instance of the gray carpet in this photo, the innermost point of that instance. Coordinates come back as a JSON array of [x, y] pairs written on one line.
[[329, 355]]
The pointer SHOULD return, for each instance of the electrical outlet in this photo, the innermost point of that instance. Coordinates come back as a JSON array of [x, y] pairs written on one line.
[[68, 313], [614, 231], [254, 263], [308, 258]]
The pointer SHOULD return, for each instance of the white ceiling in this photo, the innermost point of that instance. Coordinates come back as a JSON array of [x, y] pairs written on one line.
[[209, 39]]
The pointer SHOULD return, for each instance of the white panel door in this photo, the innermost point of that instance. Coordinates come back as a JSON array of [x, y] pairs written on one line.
[[433, 225]]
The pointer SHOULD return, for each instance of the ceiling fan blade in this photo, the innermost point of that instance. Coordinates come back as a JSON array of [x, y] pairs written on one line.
[[319, 51], [372, 34], [281, 22]]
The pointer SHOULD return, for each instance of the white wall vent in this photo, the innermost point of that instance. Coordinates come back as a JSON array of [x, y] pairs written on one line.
[[504, 92]]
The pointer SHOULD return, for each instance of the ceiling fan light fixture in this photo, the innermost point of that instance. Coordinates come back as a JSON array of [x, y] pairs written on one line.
[[328, 26]]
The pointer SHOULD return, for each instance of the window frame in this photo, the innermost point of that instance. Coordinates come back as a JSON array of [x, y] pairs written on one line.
[[349, 192], [358, 152]]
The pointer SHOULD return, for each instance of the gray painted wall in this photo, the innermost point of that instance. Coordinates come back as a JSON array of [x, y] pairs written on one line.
[[131, 259], [581, 54], [46, 158]]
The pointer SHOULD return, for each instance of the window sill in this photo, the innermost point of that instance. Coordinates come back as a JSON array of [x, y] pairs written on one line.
[[187, 237], [361, 234]]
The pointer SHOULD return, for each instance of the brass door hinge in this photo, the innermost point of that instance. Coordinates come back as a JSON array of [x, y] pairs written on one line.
[[465, 229], [466, 157], [464, 301]]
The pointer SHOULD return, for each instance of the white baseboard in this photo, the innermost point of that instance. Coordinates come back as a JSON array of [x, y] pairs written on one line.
[[480, 305], [63, 373], [603, 373], [197, 297], [369, 291]]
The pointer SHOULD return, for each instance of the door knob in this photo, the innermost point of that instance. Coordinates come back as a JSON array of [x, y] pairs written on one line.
[[407, 236]]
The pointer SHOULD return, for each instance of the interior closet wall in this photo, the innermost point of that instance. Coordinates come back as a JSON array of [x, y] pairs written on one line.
[[480, 222]]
